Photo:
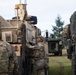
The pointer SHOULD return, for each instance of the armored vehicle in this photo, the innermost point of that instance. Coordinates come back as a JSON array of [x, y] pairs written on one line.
[[55, 46], [21, 33]]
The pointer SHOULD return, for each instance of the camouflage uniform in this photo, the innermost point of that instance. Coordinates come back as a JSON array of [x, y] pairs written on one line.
[[73, 39], [39, 60], [13, 63]]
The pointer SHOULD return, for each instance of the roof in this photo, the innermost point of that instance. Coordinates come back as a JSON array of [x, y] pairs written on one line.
[[4, 23]]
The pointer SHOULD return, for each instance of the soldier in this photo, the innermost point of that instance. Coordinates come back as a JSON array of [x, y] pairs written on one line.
[[73, 40], [8, 59], [40, 63], [60, 48]]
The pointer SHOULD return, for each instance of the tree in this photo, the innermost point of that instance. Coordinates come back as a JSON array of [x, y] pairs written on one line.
[[58, 28]]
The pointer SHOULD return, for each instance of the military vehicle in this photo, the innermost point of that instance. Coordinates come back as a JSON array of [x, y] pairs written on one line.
[[55, 46], [21, 33], [69, 34]]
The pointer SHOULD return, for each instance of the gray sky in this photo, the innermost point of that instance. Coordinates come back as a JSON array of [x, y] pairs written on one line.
[[45, 10]]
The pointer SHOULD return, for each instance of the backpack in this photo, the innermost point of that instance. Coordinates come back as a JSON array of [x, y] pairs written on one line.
[[4, 58]]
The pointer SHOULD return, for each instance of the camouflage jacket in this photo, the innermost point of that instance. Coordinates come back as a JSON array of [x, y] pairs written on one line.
[[39, 51], [13, 62]]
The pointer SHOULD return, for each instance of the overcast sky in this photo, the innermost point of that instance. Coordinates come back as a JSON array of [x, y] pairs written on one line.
[[45, 10]]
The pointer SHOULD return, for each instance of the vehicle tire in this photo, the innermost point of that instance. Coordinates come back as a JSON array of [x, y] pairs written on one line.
[[74, 63]]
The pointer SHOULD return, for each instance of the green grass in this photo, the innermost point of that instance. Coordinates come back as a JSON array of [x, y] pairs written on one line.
[[55, 67]]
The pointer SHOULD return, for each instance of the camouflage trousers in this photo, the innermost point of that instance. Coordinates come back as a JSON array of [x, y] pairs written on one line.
[[41, 72], [38, 72]]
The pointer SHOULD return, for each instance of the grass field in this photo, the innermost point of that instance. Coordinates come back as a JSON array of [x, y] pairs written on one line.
[[59, 65]]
